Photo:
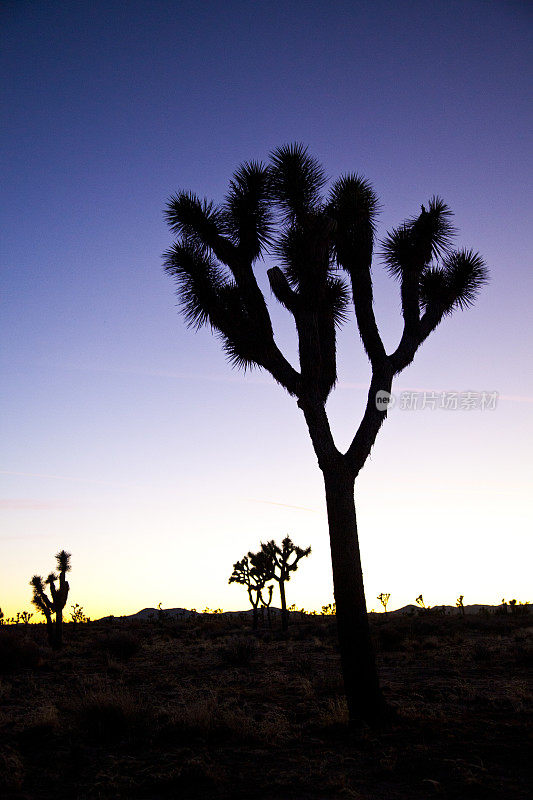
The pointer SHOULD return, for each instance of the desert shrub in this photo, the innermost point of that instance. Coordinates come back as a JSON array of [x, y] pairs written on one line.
[[326, 630], [333, 713], [5, 689], [196, 777], [203, 716], [389, 638], [302, 631], [239, 651], [213, 628], [520, 609], [522, 653], [108, 713], [17, 652], [491, 623], [195, 717], [176, 630], [121, 644], [481, 651], [11, 770], [41, 726]]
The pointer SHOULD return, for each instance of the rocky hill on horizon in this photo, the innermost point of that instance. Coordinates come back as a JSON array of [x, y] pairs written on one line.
[[408, 610]]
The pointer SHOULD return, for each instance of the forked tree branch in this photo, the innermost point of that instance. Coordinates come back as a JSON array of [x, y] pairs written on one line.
[[366, 320]]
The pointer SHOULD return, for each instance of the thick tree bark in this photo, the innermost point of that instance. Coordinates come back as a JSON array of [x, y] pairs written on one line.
[[49, 628], [363, 694], [58, 638], [284, 612]]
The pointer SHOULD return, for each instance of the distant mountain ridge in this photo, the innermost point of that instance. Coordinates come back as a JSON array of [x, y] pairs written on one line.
[[185, 613]]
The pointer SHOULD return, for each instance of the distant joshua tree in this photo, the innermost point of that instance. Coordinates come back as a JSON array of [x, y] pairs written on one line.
[[460, 604], [57, 600], [420, 602], [77, 614], [267, 603], [277, 563], [384, 598], [280, 209], [247, 575]]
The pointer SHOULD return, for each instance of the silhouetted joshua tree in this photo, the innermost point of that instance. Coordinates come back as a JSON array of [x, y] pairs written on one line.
[[280, 209], [277, 563], [57, 600], [267, 603], [254, 580], [384, 598], [460, 604]]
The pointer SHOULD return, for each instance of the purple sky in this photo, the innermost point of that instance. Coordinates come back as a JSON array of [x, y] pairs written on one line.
[[126, 438]]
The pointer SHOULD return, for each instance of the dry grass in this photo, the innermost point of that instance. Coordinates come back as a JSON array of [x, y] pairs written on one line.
[[207, 709]]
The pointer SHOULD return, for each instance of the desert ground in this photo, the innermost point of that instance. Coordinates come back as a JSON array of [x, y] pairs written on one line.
[[206, 708]]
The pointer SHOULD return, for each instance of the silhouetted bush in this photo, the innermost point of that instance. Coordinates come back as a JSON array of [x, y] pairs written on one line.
[[112, 713], [41, 727], [389, 638], [11, 770], [17, 652], [121, 644], [522, 653], [239, 651]]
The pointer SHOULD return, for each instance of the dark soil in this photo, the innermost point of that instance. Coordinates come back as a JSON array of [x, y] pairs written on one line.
[[207, 709]]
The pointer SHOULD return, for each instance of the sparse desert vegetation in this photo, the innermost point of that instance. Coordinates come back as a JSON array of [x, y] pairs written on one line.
[[203, 707]]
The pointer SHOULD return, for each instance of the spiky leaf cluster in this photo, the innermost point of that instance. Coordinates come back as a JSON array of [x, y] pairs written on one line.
[[412, 246], [280, 209], [63, 561], [279, 561], [455, 284]]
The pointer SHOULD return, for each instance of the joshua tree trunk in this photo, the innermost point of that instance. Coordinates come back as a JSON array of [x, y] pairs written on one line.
[[58, 638], [359, 671], [284, 612], [49, 627]]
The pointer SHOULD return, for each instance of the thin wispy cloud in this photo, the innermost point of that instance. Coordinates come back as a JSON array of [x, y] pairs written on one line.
[[72, 478], [28, 504], [255, 377], [250, 376], [282, 505]]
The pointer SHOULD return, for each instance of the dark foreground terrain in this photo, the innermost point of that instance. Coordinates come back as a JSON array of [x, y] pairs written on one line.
[[206, 709]]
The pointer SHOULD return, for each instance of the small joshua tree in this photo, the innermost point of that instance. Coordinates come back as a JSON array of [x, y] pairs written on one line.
[[278, 563], [384, 598], [41, 601], [250, 576], [267, 603], [460, 605], [77, 614], [420, 601], [58, 600]]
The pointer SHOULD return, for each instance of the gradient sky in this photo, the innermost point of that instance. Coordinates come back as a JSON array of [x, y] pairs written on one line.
[[126, 438]]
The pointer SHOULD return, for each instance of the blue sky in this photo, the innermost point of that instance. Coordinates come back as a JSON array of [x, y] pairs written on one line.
[[126, 438]]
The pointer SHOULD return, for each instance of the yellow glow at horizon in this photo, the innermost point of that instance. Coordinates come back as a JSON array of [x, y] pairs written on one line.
[[406, 550]]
